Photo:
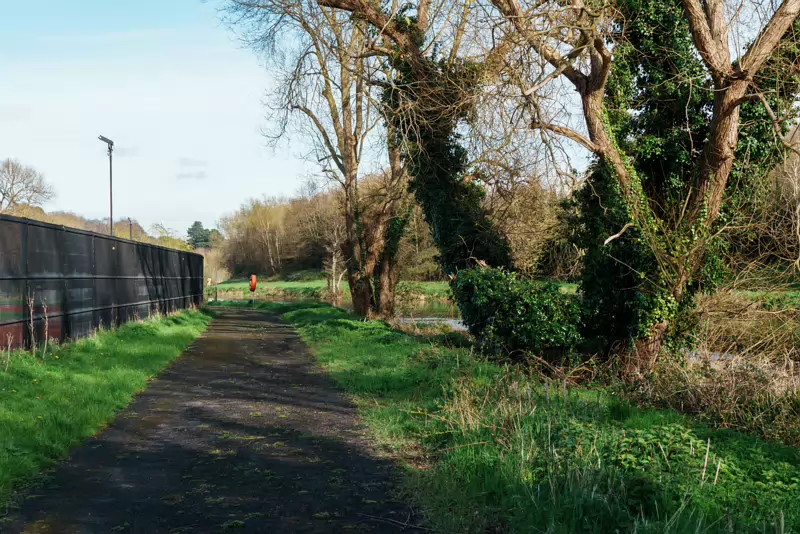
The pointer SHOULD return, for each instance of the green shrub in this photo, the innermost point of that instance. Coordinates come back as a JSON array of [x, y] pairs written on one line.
[[510, 314]]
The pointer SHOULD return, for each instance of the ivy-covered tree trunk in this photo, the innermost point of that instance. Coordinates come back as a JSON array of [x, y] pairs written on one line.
[[385, 286], [360, 263], [427, 101], [651, 247], [361, 295]]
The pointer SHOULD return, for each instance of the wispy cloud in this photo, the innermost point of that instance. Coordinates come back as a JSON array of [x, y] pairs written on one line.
[[14, 113], [199, 175], [189, 162]]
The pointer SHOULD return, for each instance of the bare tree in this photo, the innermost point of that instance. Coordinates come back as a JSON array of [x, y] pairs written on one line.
[[22, 186], [319, 221], [325, 92]]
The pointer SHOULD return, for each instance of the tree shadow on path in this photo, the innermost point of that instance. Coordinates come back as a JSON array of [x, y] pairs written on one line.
[[241, 434]]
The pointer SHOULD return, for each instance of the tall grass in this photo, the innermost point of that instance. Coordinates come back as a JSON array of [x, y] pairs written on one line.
[[491, 449], [52, 401]]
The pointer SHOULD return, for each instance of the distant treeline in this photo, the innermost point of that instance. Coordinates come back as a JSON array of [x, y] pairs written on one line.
[[125, 228], [286, 236], [282, 236]]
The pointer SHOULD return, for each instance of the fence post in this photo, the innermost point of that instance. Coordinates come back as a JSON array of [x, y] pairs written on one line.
[[26, 341], [66, 324]]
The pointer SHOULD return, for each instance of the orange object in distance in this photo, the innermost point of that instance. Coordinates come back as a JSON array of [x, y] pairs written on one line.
[[252, 282]]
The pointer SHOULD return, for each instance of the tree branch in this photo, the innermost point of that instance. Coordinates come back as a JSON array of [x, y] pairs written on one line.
[[513, 12], [718, 61], [323, 133], [569, 133], [769, 37]]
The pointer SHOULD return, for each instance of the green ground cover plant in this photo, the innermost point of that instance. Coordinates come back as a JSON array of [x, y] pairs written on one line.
[[493, 449], [51, 402]]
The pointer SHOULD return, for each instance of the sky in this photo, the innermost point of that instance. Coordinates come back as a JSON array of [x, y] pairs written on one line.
[[167, 81]]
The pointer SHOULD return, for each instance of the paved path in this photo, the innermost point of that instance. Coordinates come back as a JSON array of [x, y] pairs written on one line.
[[241, 434]]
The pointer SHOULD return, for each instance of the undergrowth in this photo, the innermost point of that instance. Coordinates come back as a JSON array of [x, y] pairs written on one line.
[[493, 449], [743, 372]]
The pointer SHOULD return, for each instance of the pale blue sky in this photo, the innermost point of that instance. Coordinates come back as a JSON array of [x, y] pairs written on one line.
[[165, 80]]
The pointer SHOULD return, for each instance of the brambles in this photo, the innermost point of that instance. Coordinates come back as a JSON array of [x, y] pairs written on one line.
[[742, 372]]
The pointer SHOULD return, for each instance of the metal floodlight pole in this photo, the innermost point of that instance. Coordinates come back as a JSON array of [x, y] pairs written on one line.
[[110, 144]]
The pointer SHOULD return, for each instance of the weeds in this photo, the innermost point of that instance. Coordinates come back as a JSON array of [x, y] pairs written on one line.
[[6, 351], [744, 373]]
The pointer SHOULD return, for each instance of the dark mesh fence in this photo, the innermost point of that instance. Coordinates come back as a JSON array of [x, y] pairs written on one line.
[[64, 283]]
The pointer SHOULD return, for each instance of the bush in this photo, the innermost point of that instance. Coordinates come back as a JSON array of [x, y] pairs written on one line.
[[510, 314]]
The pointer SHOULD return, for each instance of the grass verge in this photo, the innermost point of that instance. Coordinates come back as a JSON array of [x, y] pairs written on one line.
[[51, 402], [315, 289], [504, 452]]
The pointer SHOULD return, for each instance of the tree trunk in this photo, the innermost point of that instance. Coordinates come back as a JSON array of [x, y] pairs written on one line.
[[358, 270], [645, 351], [361, 293], [337, 289], [388, 272], [388, 276]]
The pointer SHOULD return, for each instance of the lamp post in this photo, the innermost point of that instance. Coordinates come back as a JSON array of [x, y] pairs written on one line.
[[110, 144]]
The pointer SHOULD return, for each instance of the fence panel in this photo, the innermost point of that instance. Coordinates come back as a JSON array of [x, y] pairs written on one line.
[[63, 283]]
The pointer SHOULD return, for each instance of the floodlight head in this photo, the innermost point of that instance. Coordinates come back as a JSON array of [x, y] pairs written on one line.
[[106, 140]]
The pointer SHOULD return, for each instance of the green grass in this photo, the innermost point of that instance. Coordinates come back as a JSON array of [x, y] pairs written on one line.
[[313, 289], [505, 453], [50, 403], [245, 284], [310, 290]]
